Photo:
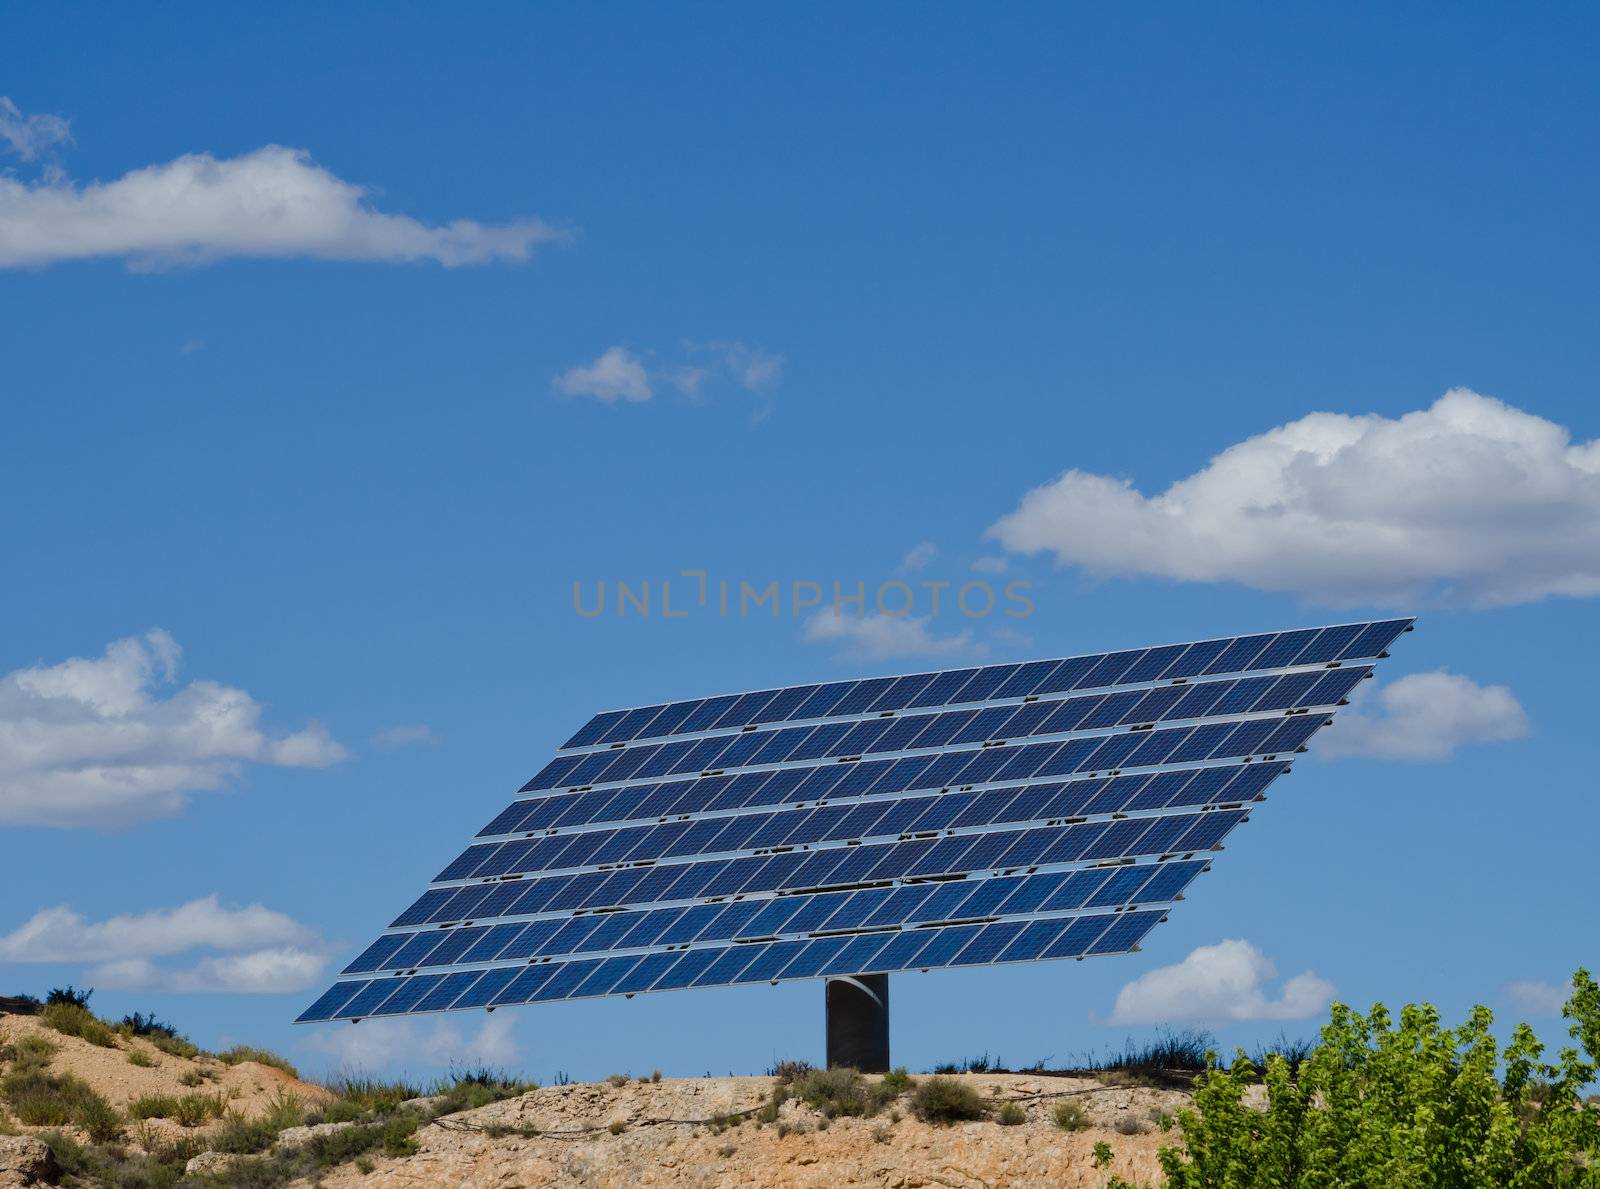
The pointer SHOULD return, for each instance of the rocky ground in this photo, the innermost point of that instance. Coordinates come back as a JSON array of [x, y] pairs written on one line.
[[675, 1133]]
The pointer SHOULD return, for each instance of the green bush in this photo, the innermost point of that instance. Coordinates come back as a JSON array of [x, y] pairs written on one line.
[[1011, 1115], [42, 1099], [945, 1100], [835, 1092], [240, 1053], [70, 996], [31, 1051], [898, 1080], [153, 1106], [193, 1110], [370, 1093], [1069, 1116], [73, 1019], [175, 1046], [1380, 1102]]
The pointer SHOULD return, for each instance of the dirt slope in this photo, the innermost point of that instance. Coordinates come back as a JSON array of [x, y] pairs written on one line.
[[561, 1136]]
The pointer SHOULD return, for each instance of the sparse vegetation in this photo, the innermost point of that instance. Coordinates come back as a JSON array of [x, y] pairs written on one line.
[[153, 1106], [1069, 1115], [140, 1058], [70, 996], [1011, 1114], [191, 1078], [898, 1080], [73, 1019], [834, 1092], [1102, 1155], [1128, 1125], [617, 1127], [29, 1051], [240, 1053], [655, 1075], [980, 1064], [946, 1100], [790, 1071], [617, 1080], [43, 1099], [175, 1046]]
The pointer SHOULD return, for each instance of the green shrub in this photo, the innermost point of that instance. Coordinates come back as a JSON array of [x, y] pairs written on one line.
[[945, 1100], [244, 1136], [1011, 1115], [191, 1078], [42, 1099], [370, 1093], [835, 1092], [790, 1071], [240, 1053], [31, 1051], [153, 1106], [898, 1080], [70, 996], [139, 1024], [140, 1058], [1069, 1116], [1102, 1155], [470, 1089], [175, 1046], [193, 1110], [1407, 1102], [73, 1019], [617, 1127]]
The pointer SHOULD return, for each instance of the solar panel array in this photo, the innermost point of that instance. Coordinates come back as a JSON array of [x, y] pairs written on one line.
[[1006, 813]]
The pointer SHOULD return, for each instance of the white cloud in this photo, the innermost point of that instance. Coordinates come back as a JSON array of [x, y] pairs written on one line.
[[273, 202], [619, 374], [61, 935], [89, 742], [263, 972], [883, 637], [379, 1044], [28, 136], [405, 735], [1470, 499], [1219, 984], [262, 951], [616, 375], [1424, 716], [918, 557], [991, 565], [1537, 998]]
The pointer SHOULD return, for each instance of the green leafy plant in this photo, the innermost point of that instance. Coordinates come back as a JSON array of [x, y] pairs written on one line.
[[1011, 1114], [73, 1019], [1102, 1155], [898, 1080], [140, 1058], [1069, 1115], [946, 1100], [1385, 1101]]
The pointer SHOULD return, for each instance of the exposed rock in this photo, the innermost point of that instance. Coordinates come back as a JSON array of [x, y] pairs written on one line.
[[211, 1162], [25, 1160], [294, 1137]]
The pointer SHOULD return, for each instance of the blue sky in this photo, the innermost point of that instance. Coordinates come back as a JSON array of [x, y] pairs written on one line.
[[794, 295]]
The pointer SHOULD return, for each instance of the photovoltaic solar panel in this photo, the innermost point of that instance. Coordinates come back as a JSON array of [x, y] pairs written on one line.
[[1007, 813]]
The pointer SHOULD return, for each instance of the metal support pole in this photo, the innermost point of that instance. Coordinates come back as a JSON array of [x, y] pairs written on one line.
[[858, 1022]]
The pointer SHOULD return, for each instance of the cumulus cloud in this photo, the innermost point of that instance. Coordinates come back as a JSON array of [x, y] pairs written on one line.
[[884, 637], [1217, 984], [1424, 716], [620, 374], [380, 1044], [91, 742], [405, 735], [1537, 998], [1469, 499], [616, 375], [261, 950], [28, 136], [918, 557], [273, 202]]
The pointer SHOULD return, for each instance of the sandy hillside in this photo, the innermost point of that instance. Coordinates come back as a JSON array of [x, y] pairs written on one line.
[[248, 1087], [562, 1136]]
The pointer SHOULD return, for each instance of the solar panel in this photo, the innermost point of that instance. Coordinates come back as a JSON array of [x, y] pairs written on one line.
[[1006, 813]]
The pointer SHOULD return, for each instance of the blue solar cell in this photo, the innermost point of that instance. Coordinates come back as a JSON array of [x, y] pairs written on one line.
[[564, 981], [1128, 931], [371, 996], [1164, 835], [903, 949], [901, 691], [862, 695], [1153, 663], [1335, 686], [859, 860], [984, 682], [728, 964], [988, 894], [773, 959], [456, 942], [592, 730], [605, 976], [786, 703], [900, 904], [488, 947], [1033, 940], [447, 991], [1292, 735], [944, 904], [942, 688], [330, 1001], [415, 950], [821, 702], [811, 959], [1238, 655], [1109, 710], [1030, 893], [1288, 690], [898, 860], [483, 992], [856, 957], [947, 945], [1374, 639], [1078, 938], [1169, 881], [854, 909], [1077, 888], [640, 977], [686, 969], [375, 955], [986, 946], [1122, 887], [1328, 644], [531, 939], [1209, 831], [1195, 659], [1026, 679], [406, 996]]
